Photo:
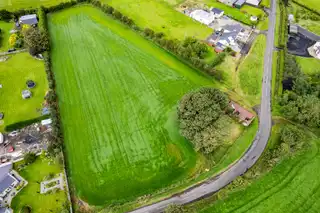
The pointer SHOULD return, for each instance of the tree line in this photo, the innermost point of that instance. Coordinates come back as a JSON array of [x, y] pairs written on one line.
[[301, 100]]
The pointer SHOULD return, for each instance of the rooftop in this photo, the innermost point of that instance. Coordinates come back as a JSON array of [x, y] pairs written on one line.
[[244, 115], [216, 10], [29, 19]]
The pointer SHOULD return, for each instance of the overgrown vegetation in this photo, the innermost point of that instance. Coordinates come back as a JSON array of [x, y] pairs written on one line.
[[201, 116], [301, 99]]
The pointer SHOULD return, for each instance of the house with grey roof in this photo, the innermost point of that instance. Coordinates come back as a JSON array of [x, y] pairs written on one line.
[[7, 181], [217, 12], [29, 19]]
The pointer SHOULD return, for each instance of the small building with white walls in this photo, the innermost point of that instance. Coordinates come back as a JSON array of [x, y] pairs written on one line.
[[202, 16], [253, 2]]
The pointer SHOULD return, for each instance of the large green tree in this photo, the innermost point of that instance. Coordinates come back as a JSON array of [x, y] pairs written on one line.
[[200, 116]]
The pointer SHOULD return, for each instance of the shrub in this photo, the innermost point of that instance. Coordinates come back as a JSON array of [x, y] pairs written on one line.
[[29, 158]]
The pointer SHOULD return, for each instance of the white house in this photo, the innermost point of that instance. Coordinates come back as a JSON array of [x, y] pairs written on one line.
[[253, 2], [202, 16]]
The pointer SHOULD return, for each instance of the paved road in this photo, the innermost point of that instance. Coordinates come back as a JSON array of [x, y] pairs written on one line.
[[252, 154]]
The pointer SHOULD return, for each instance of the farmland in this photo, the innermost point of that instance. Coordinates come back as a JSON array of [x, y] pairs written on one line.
[[164, 18], [25, 4], [13, 76], [251, 69], [34, 174], [291, 186], [125, 97], [312, 4]]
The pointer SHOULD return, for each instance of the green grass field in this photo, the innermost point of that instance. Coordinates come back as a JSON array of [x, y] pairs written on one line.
[[117, 102], [4, 37], [44, 203], [164, 18], [251, 69], [313, 4], [13, 76], [291, 186], [25, 4], [309, 65]]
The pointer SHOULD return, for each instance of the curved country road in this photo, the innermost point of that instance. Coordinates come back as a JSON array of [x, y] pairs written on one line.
[[252, 154]]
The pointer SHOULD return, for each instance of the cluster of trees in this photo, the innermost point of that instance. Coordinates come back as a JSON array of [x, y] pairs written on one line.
[[201, 117], [293, 137], [301, 99], [36, 41]]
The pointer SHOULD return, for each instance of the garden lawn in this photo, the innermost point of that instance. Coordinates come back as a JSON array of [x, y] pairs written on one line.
[[40, 203], [13, 5], [5, 28], [309, 65], [118, 107], [251, 69], [161, 17], [292, 186], [13, 76]]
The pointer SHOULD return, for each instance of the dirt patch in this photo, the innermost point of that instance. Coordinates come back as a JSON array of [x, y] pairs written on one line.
[[82, 206], [4, 58]]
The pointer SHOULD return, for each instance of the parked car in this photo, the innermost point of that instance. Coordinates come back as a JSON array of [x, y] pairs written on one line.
[[11, 50], [14, 133]]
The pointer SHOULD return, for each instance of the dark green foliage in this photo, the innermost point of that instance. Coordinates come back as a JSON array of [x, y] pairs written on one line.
[[26, 209], [5, 15], [148, 32], [29, 158], [218, 60], [198, 114], [22, 124], [302, 103]]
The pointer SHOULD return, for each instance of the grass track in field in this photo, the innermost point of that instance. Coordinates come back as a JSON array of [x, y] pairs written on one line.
[[161, 17], [25, 4], [116, 91], [13, 76]]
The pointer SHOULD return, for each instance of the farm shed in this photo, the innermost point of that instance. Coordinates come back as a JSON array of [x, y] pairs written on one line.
[[238, 4], [253, 2], [29, 19], [202, 16]]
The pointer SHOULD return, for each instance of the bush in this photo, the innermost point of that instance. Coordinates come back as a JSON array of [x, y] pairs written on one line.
[[26, 209], [29, 158], [5, 15]]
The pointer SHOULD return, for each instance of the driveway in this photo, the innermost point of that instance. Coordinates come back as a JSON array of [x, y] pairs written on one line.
[[252, 154]]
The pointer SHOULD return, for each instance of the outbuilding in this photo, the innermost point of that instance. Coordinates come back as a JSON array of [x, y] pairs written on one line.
[[26, 94], [29, 19], [253, 2], [217, 12]]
